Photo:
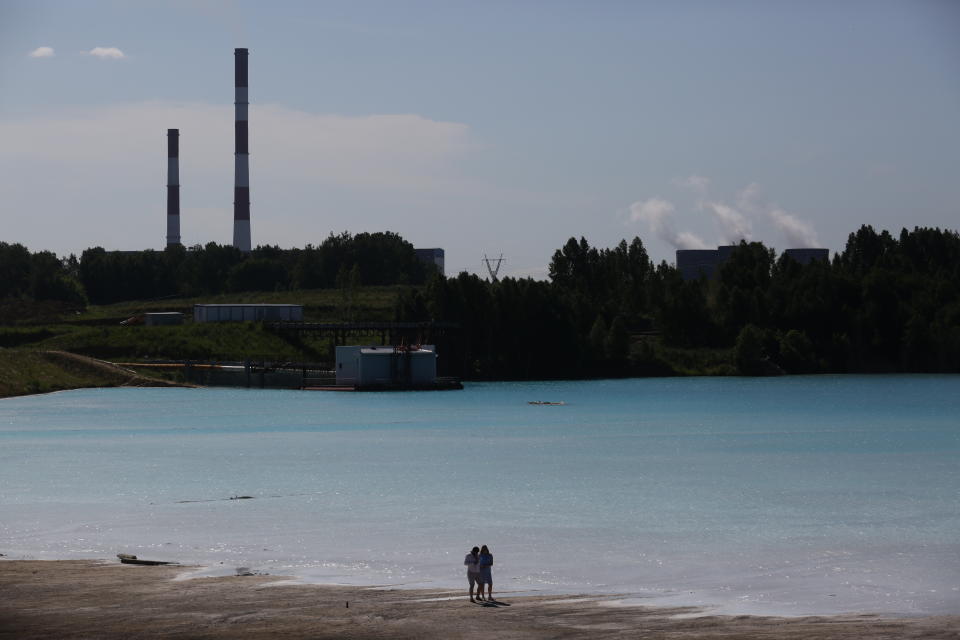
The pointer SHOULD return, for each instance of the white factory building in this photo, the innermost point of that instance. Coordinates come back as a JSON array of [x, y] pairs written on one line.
[[373, 366]]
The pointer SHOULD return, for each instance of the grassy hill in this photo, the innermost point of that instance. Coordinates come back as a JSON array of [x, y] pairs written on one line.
[[319, 305], [97, 331], [24, 372]]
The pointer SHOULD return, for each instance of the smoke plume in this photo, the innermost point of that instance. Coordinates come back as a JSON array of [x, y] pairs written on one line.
[[734, 226], [658, 213], [798, 233]]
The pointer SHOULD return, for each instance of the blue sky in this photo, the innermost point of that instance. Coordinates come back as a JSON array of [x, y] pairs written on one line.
[[482, 127]]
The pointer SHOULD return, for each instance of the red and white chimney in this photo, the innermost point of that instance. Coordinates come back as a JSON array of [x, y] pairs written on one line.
[[241, 181], [173, 187]]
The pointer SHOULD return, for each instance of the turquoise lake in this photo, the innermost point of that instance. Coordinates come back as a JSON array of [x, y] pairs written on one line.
[[793, 495]]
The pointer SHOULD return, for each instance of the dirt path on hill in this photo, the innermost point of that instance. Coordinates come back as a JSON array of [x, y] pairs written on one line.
[[121, 376]]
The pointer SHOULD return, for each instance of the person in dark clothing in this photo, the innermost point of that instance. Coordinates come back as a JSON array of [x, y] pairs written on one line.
[[485, 562]]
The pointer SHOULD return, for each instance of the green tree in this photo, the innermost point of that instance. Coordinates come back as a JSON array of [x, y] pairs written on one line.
[[617, 342], [749, 354], [597, 338], [743, 285], [15, 270], [257, 274], [49, 280], [308, 269], [797, 353]]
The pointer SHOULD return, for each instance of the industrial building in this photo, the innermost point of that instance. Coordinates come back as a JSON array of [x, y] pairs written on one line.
[[248, 313], [387, 367], [806, 256], [432, 256], [694, 263]]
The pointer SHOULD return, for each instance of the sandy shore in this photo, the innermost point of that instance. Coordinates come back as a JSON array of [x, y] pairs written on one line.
[[87, 599]]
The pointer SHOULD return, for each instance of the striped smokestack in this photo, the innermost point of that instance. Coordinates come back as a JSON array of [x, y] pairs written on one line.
[[173, 187], [241, 181]]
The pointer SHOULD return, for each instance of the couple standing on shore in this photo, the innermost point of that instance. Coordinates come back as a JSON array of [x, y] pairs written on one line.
[[479, 572]]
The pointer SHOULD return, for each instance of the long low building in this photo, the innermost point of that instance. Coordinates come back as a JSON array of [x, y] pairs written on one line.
[[248, 313]]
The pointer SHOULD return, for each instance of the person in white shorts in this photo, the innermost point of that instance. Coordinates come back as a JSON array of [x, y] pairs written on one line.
[[473, 572]]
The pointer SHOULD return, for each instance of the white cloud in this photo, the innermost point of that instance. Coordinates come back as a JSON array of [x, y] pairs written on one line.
[[658, 214], [42, 52], [97, 175], [405, 151], [734, 226], [799, 234], [397, 151], [106, 52]]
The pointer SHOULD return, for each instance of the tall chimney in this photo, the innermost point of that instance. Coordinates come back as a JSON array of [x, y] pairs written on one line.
[[173, 187], [241, 181]]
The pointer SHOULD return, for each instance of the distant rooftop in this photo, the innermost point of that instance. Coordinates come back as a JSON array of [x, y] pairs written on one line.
[[694, 263]]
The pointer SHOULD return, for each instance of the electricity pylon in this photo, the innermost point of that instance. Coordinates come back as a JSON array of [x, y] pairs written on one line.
[[493, 266]]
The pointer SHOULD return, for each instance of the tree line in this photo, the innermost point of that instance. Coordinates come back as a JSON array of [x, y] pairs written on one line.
[[105, 277], [885, 303], [882, 304]]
